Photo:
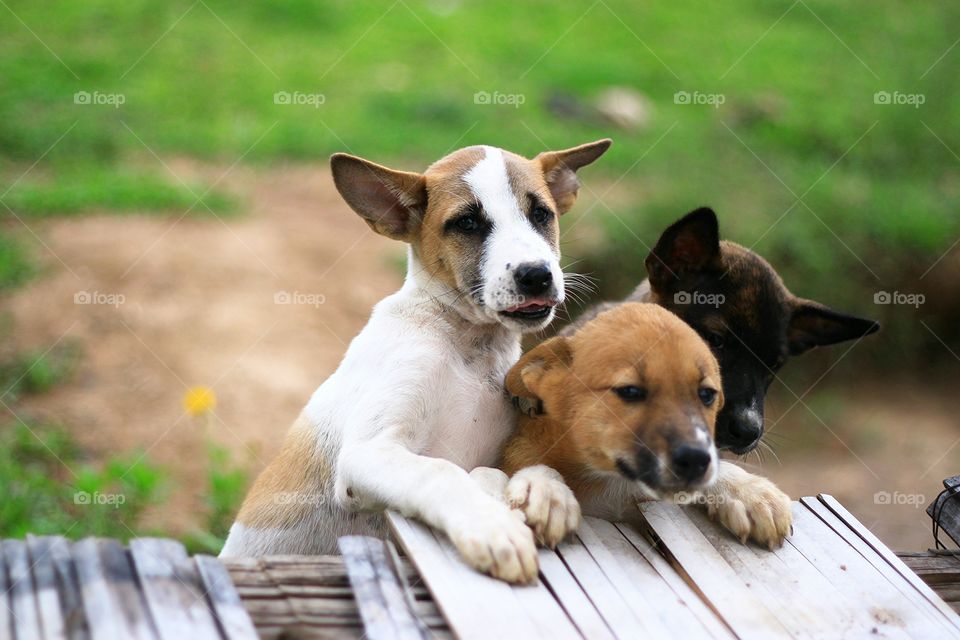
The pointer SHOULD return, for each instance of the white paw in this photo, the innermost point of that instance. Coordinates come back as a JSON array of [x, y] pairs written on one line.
[[547, 503], [753, 508], [496, 541]]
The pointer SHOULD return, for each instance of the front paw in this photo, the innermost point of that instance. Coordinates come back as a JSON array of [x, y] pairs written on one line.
[[547, 503], [753, 508], [495, 540]]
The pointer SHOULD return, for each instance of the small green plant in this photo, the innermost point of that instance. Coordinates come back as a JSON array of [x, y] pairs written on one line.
[[50, 488], [35, 371], [15, 264]]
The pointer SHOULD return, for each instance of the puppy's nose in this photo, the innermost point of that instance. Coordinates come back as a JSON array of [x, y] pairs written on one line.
[[690, 463], [533, 278], [746, 428]]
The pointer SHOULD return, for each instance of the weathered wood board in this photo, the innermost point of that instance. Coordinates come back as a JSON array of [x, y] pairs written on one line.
[[683, 576], [95, 588]]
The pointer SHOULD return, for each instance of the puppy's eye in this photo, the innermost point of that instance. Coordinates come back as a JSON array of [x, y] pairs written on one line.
[[541, 215], [631, 393], [716, 340], [469, 223], [707, 396]]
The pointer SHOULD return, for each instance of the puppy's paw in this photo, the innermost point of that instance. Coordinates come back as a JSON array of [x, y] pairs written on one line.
[[547, 503], [492, 481], [496, 541], [753, 508]]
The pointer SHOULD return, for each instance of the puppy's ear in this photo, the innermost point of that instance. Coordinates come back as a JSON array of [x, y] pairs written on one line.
[[525, 379], [815, 325], [391, 202], [688, 246], [560, 170]]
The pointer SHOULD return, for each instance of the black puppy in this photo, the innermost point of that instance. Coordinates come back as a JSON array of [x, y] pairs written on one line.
[[740, 306]]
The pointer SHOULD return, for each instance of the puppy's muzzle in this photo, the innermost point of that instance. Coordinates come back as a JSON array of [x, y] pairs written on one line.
[[740, 428], [533, 279], [690, 463]]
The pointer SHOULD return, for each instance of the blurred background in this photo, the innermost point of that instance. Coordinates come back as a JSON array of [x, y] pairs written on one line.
[[178, 273]]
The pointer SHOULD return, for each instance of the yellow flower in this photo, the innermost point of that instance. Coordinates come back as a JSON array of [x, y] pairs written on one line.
[[199, 400]]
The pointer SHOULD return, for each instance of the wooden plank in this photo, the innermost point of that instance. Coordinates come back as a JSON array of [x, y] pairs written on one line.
[[920, 602], [889, 612], [890, 558], [383, 602], [572, 598], [809, 605], [477, 606], [112, 602], [641, 587], [26, 613], [68, 587], [45, 587], [744, 612], [6, 604], [678, 583], [172, 589], [615, 612], [234, 621]]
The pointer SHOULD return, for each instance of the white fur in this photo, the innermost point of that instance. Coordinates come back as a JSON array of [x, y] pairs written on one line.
[[417, 402], [513, 240]]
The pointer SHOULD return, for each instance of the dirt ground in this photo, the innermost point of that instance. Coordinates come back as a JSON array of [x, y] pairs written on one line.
[[261, 308]]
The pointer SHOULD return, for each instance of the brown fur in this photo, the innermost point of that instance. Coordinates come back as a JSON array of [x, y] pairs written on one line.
[[292, 484], [585, 427], [415, 207]]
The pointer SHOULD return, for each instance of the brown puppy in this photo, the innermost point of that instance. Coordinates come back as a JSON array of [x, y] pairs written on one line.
[[624, 409]]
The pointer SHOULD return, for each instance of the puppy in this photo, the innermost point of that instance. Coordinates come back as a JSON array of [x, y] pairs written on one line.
[[418, 398], [625, 409], [737, 302]]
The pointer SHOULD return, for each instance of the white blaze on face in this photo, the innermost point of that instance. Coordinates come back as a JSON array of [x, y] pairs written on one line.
[[513, 240]]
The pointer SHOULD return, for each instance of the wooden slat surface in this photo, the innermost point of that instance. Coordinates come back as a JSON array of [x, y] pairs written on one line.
[[891, 558], [683, 576], [481, 608], [385, 606], [55, 589], [173, 591]]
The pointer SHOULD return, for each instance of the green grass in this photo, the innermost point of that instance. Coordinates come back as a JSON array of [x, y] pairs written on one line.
[[398, 85], [880, 183], [49, 487], [108, 191]]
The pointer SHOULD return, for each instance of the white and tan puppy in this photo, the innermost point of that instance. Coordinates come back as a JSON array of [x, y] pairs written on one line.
[[418, 399]]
